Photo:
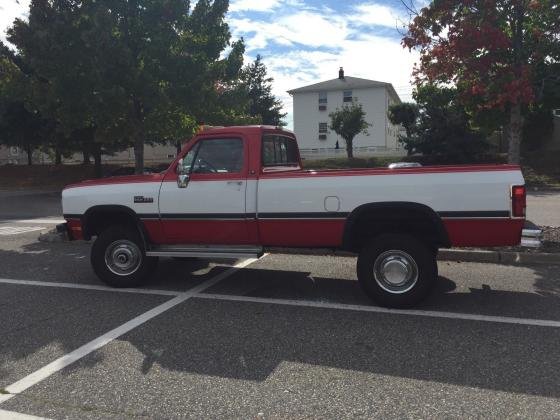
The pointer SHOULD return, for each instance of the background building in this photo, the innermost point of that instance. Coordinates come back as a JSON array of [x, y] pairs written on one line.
[[313, 103]]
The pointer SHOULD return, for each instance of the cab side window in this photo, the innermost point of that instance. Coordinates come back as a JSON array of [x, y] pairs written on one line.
[[218, 156], [279, 151]]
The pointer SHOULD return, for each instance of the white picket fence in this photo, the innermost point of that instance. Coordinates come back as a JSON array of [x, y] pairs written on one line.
[[369, 151]]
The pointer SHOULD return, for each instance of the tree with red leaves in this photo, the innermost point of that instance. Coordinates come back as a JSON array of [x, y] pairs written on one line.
[[500, 54]]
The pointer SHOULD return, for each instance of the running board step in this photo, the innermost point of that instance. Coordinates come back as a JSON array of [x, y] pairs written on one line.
[[205, 251]]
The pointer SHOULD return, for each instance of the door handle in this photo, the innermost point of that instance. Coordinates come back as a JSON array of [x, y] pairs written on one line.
[[235, 182]]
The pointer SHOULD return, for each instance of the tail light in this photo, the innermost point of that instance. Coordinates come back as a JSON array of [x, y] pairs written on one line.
[[74, 227], [518, 201]]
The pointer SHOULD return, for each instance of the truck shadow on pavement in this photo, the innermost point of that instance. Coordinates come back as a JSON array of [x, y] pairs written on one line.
[[252, 341], [255, 341]]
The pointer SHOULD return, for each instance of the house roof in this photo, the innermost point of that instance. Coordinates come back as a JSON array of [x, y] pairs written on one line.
[[343, 84]]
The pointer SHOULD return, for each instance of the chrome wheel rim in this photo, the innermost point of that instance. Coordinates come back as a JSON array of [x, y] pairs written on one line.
[[395, 271], [123, 257]]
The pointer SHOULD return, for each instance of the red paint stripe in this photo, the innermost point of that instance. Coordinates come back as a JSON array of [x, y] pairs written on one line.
[[155, 231], [302, 233], [317, 233], [387, 171], [127, 179], [302, 173], [223, 232], [328, 233], [484, 232]]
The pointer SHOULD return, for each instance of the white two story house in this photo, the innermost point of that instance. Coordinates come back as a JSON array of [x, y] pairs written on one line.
[[314, 103]]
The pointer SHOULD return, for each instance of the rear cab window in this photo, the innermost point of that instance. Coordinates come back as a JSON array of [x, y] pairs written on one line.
[[279, 153]]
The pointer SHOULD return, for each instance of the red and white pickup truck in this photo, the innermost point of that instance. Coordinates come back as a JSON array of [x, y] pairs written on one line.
[[236, 191]]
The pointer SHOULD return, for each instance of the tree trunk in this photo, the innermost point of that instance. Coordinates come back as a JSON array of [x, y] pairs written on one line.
[[139, 137], [515, 130], [29, 151], [97, 170], [139, 153], [178, 147], [408, 137], [350, 149], [57, 157], [87, 157]]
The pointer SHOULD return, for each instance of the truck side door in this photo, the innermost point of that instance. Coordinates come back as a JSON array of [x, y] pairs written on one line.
[[210, 208]]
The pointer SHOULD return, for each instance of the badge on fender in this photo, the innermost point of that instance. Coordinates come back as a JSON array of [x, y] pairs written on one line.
[[142, 199]]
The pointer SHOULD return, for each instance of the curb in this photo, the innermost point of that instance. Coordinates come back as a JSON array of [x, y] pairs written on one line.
[[53, 236], [498, 257], [545, 189]]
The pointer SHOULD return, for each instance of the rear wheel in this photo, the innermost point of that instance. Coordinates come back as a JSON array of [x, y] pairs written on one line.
[[397, 270], [119, 259]]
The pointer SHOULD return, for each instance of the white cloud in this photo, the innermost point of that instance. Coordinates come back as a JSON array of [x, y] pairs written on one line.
[[303, 27], [253, 5], [9, 11], [377, 14]]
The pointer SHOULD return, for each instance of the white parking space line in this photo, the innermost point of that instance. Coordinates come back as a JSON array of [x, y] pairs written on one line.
[[66, 360], [41, 221], [89, 287], [377, 309], [12, 415], [17, 230]]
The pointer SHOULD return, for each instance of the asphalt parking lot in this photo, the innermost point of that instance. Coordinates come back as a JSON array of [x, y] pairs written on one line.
[[286, 336]]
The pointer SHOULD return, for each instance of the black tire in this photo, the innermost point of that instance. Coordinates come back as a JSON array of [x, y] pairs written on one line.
[[393, 258], [118, 242]]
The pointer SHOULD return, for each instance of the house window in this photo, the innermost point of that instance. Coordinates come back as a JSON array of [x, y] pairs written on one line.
[[347, 96], [323, 127], [322, 97]]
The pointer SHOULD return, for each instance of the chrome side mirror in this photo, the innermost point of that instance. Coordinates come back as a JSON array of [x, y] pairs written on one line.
[[183, 180], [182, 175]]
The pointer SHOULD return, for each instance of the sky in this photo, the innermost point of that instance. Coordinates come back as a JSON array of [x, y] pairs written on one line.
[[306, 41]]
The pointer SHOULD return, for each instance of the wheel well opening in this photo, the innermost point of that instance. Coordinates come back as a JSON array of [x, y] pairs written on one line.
[[370, 221], [96, 221]]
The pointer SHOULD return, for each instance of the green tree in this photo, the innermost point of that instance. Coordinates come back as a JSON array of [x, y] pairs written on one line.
[[23, 129], [499, 54], [21, 125], [230, 106], [406, 115], [141, 71], [60, 45], [262, 103], [442, 131], [348, 122]]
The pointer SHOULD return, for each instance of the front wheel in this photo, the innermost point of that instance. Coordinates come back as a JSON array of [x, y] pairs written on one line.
[[397, 270], [119, 259]]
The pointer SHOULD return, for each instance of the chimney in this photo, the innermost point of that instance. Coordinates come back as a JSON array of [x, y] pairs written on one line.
[[341, 73]]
